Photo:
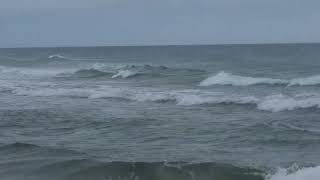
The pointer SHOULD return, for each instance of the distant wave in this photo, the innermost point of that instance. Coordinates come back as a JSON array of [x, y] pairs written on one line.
[[272, 103], [140, 71], [121, 71], [223, 78], [17, 146], [62, 57], [90, 71], [57, 56], [24, 72]]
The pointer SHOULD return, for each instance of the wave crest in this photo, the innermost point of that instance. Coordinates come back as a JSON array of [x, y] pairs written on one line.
[[312, 80], [307, 173], [223, 78], [124, 74], [57, 56], [277, 103]]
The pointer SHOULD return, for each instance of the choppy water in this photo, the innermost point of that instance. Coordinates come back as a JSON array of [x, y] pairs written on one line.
[[228, 112]]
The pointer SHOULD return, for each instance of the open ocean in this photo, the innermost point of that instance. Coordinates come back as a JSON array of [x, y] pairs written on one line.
[[222, 112]]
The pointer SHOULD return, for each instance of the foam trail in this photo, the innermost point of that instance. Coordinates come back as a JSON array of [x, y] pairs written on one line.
[[223, 78], [310, 173]]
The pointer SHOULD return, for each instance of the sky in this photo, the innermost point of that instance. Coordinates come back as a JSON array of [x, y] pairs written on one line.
[[38, 23]]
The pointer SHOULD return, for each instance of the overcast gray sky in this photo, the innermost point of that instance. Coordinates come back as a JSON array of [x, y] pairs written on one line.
[[152, 22]]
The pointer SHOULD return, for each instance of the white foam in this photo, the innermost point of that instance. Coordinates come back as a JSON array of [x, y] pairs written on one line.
[[58, 56], [277, 103], [223, 78], [312, 80], [124, 74], [187, 100], [154, 96], [310, 173]]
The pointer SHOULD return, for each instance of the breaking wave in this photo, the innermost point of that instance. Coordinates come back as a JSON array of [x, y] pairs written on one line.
[[90, 71], [124, 74], [57, 56], [296, 173], [277, 103], [312, 80], [223, 78], [272, 103]]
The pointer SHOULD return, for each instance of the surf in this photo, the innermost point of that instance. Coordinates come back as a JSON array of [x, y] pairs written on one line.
[[224, 78]]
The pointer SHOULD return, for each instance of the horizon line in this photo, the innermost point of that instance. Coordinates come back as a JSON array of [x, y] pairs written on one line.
[[159, 45]]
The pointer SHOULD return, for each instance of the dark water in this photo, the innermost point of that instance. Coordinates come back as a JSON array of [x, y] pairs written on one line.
[[229, 112]]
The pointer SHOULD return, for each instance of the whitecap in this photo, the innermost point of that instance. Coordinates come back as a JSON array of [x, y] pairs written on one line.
[[56, 56], [124, 74], [280, 102], [312, 80], [308, 173], [272, 103], [223, 78]]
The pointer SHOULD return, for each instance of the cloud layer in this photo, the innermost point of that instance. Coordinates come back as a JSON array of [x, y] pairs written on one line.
[[141, 22]]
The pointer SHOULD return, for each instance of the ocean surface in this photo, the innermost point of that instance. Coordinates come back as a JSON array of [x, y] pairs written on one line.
[[222, 112]]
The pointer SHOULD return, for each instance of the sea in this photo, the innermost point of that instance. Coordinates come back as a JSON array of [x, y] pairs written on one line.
[[195, 112]]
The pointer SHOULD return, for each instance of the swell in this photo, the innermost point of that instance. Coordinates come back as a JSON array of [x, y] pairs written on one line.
[[167, 171], [223, 78], [18, 145], [79, 169], [84, 73], [33, 61], [61, 165], [47, 163], [27, 149]]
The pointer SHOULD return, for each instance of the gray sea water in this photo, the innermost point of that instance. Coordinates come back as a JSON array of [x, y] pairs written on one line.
[[223, 112]]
